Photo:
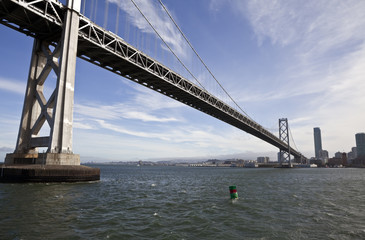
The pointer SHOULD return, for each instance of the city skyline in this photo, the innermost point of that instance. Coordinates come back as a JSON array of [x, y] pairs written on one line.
[[276, 59], [358, 150]]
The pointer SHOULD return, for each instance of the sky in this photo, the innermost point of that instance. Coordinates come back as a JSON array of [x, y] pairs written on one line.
[[277, 59]]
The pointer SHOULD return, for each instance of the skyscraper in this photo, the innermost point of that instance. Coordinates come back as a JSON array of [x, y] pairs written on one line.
[[360, 144], [317, 142]]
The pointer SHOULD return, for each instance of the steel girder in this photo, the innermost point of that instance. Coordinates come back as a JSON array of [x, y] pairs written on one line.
[[44, 21], [39, 19], [284, 136], [111, 52], [107, 50]]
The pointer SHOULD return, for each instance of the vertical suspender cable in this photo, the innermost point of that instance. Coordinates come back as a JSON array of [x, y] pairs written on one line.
[[84, 5], [117, 21], [126, 28], [156, 55], [92, 10], [168, 46], [142, 41], [136, 37], [96, 10], [106, 10]]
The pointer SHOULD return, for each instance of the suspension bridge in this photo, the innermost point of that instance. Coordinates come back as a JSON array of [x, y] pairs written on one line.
[[61, 33]]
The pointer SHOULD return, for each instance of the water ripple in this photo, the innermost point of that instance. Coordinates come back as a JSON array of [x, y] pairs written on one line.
[[190, 203]]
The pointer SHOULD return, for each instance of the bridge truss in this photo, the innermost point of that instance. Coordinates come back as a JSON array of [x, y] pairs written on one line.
[[43, 20]]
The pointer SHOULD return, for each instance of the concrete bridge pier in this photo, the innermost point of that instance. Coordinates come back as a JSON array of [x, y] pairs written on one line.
[[57, 111]]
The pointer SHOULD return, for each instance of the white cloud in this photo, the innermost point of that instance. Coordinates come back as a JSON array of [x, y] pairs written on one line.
[[6, 149], [164, 141], [144, 105], [91, 110], [151, 100], [120, 129], [147, 117], [118, 111], [216, 5], [316, 25], [325, 40], [158, 18], [80, 124], [317, 49], [12, 86]]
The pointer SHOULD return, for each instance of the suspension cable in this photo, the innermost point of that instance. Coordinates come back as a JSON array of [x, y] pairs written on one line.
[[291, 135], [167, 44], [201, 60]]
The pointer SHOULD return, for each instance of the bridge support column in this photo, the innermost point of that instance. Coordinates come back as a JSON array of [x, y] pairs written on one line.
[[284, 136], [57, 111]]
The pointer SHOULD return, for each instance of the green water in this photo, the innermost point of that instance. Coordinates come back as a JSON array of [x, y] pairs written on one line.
[[190, 203]]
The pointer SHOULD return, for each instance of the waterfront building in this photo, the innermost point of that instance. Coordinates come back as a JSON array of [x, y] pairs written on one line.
[[354, 152], [316, 161], [251, 164], [317, 142], [352, 155], [360, 144], [338, 155], [323, 155], [335, 162], [344, 159], [263, 159]]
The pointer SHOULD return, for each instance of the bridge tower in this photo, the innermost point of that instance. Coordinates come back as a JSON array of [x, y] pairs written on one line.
[[284, 136], [57, 111]]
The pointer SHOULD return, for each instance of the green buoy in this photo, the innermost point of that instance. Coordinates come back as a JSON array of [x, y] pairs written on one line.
[[233, 192]]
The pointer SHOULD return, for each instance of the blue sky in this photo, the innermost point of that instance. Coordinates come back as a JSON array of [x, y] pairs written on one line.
[[300, 60]]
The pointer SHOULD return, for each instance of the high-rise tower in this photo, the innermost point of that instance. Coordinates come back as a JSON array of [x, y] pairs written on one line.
[[360, 144], [317, 142]]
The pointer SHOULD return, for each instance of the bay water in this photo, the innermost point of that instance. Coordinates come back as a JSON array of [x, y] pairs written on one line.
[[160, 202]]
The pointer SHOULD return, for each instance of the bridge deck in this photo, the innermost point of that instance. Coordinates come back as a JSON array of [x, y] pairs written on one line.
[[105, 49]]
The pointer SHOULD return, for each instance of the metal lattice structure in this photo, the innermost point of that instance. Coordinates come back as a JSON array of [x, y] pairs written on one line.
[[44, 20], [284, 136], [54, 50]]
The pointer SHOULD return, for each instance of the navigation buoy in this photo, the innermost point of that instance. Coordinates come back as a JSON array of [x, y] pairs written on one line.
[[233, 192]]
